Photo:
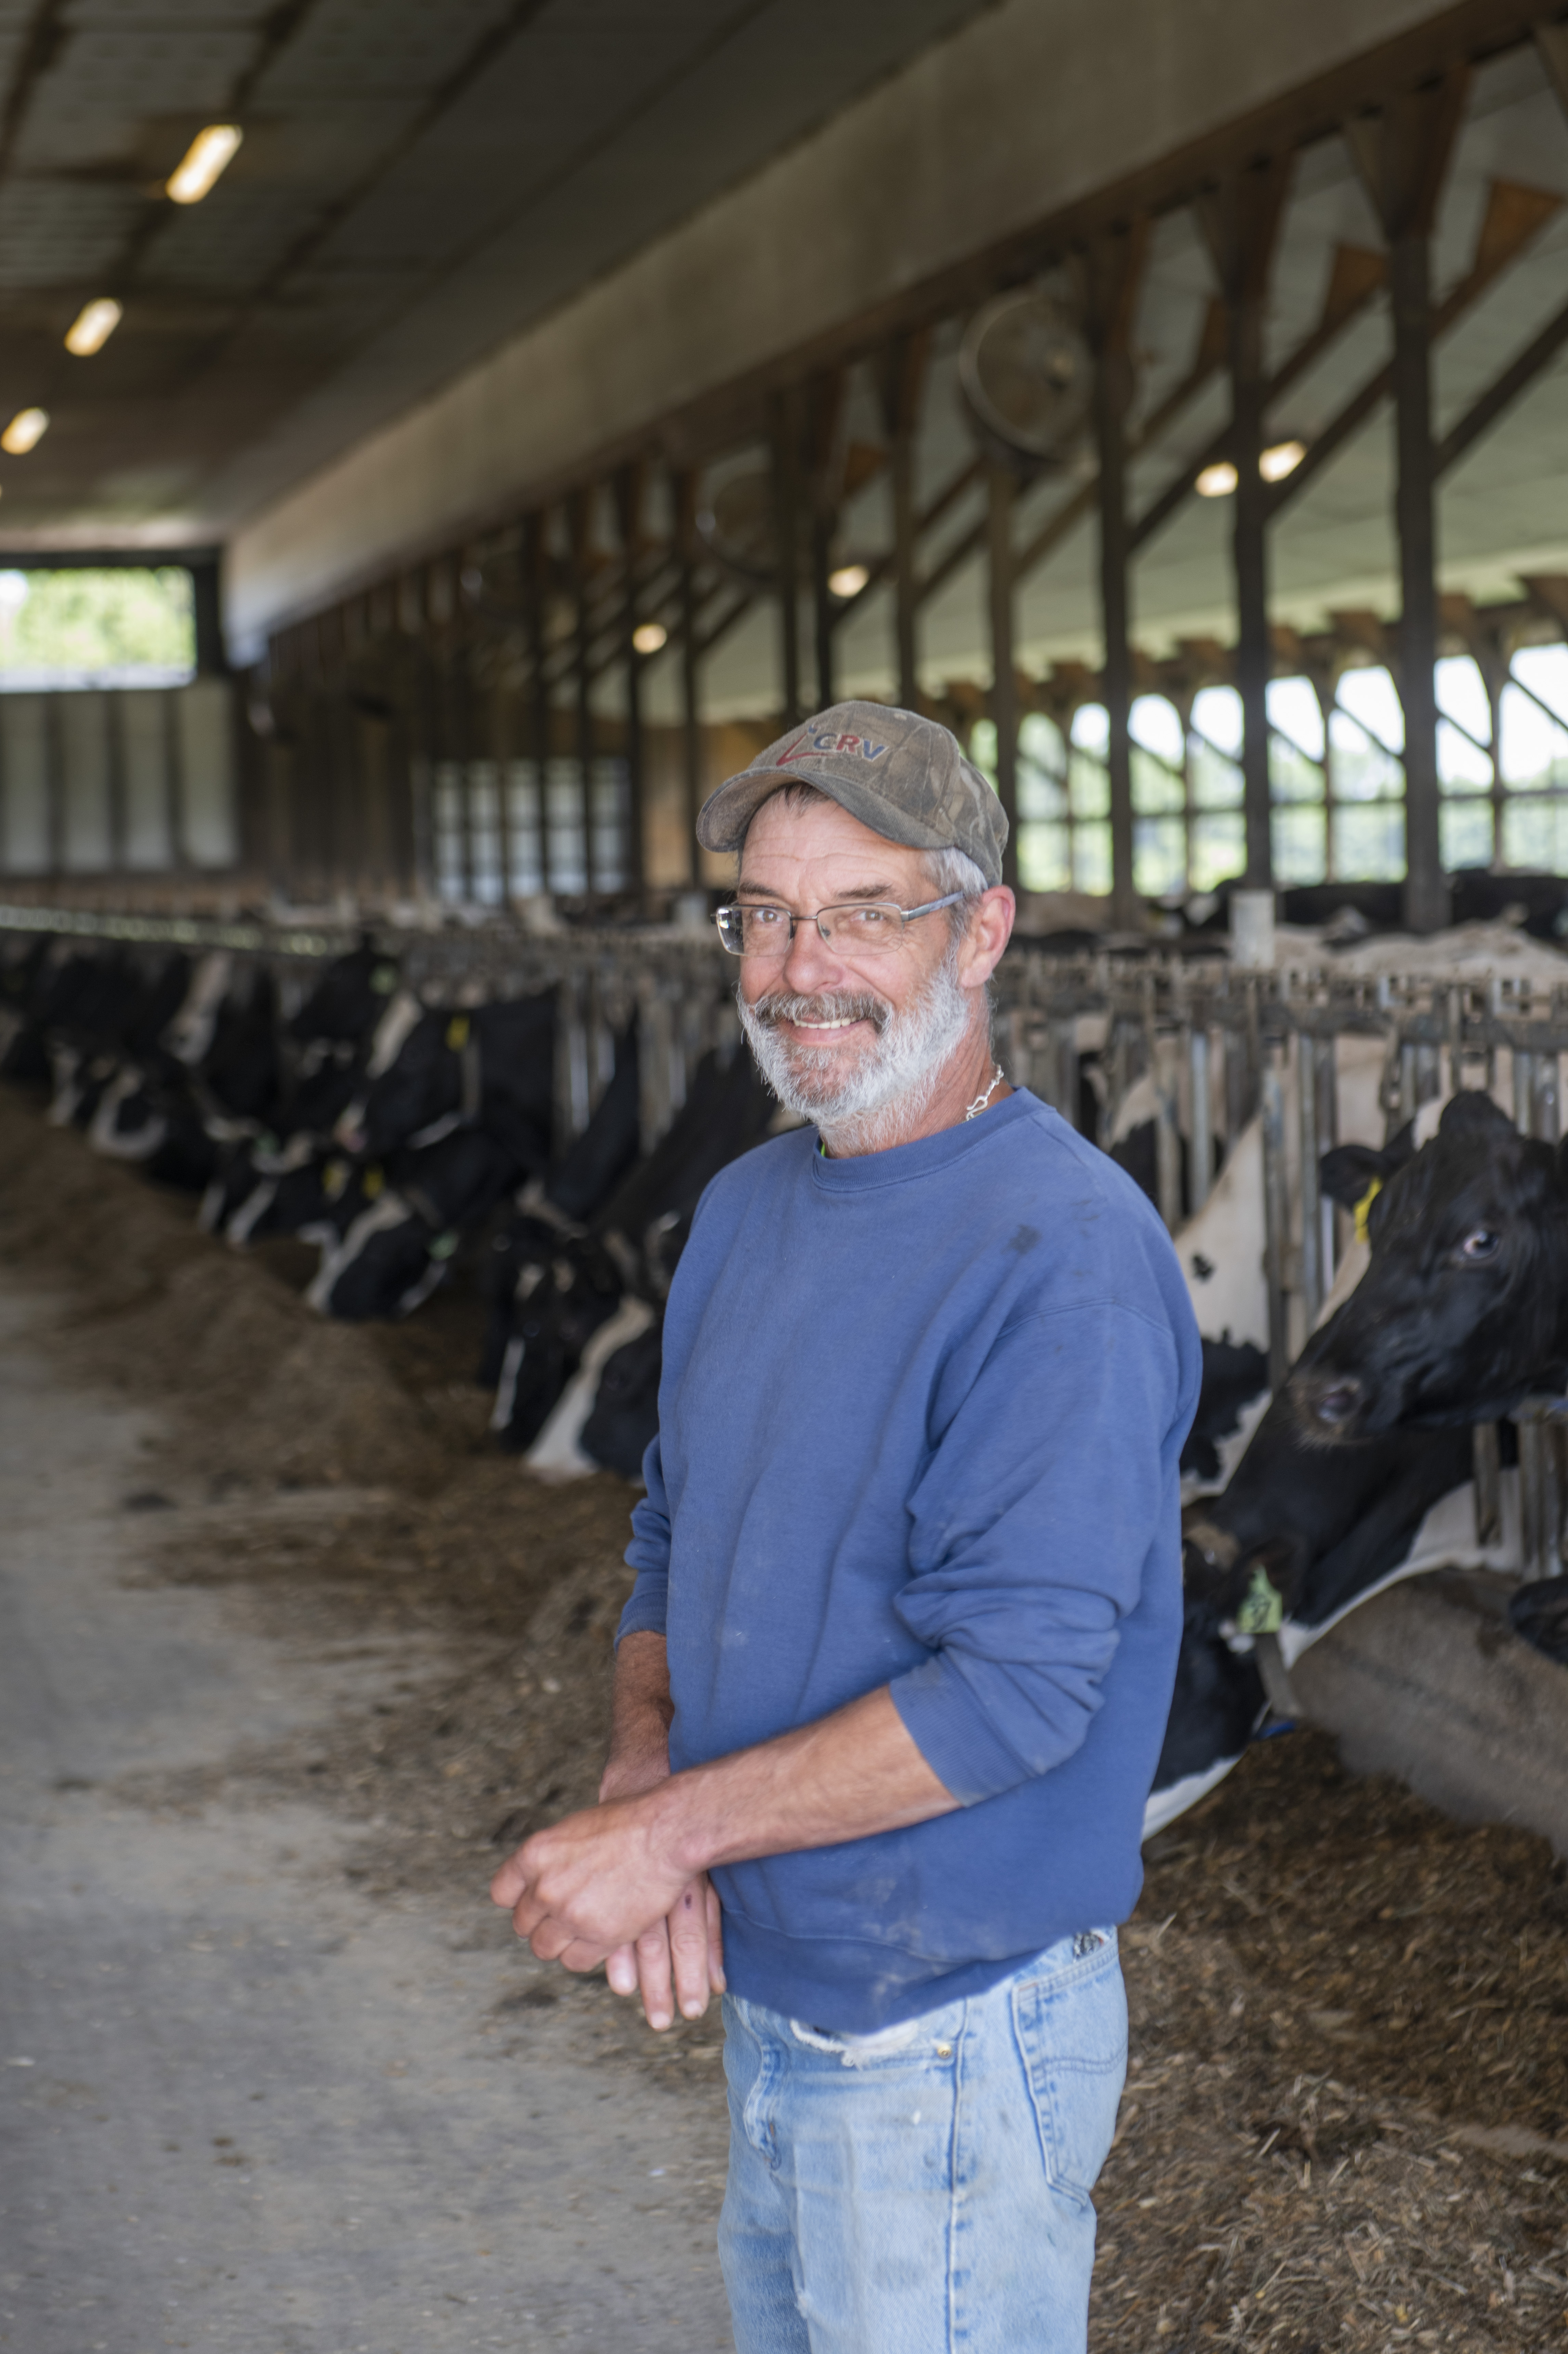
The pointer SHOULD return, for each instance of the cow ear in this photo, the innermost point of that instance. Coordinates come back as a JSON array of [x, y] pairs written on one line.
[[1345, 1173], [1473, 1113]]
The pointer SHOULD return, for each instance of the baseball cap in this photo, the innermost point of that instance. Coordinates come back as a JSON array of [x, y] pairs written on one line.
[[903, 776]]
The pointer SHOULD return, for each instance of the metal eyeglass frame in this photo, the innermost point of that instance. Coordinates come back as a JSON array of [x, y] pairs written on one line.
[[839, 906]]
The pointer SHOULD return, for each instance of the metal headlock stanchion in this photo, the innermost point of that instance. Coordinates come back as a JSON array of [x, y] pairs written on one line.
[[1217, 1045]]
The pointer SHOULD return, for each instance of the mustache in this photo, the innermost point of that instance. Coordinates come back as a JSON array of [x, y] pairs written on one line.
[[835, 1006]]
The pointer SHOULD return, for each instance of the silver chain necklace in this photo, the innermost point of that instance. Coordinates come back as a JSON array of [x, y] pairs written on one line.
[[981, 1102]]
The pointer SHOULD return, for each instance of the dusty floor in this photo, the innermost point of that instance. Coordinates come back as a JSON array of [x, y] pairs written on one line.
[[1347, 2120]]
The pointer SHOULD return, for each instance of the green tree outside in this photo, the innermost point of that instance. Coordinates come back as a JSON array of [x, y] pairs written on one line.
[[77, 622]]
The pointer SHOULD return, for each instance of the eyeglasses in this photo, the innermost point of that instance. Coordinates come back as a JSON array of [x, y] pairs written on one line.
[[862, 928]]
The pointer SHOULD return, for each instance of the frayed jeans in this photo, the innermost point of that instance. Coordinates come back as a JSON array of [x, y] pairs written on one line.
[[924, 2190]]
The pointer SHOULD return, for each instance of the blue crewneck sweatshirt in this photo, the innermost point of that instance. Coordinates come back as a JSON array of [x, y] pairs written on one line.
[[919, 1425]]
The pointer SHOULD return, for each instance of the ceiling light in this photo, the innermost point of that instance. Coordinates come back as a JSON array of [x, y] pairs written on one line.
[[26, 431], [649, 637], [1216, 482], [1282, 460], [93, 325], [848, 581], [204, 159]]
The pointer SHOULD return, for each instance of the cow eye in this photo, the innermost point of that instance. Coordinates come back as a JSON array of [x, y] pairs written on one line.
[[1480, 1243]]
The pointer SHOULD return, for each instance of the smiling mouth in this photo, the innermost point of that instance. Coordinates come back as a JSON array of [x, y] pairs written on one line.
[[845, 1021]]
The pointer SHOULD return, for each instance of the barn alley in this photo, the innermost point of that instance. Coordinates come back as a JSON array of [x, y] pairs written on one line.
[[439, 446]]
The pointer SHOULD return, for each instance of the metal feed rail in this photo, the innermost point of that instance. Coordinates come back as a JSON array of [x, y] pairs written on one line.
[[1197, 1029]]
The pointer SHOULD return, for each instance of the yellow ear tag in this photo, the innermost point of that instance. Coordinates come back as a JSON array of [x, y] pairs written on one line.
[[335, 1177], [1363, 1208], [457, 1032], [1263, 1609], [372, 1183]]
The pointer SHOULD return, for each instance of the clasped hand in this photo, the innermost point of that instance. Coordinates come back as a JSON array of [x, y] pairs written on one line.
[[603, 1886]]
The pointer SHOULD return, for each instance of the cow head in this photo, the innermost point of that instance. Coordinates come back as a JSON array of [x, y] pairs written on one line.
[[1457, 1316]]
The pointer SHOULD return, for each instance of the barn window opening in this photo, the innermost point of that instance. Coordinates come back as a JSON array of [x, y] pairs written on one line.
[[83, 628]]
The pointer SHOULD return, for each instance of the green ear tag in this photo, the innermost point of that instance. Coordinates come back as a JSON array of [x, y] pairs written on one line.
[[1263, 1611], [383, 980], [443, 1246]]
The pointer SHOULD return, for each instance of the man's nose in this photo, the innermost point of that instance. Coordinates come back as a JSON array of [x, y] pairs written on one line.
[[811, 965]]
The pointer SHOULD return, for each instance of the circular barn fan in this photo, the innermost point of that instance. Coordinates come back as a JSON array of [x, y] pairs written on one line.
[[736, 522], [1026, 376]]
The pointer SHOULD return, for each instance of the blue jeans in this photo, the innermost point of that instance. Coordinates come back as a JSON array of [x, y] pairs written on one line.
[[924, 2190]]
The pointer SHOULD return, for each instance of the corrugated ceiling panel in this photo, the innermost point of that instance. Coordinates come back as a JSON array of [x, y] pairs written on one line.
[[53, 236]]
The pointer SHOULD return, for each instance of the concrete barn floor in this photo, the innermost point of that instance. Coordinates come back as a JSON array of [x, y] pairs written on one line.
[[243, 2107]]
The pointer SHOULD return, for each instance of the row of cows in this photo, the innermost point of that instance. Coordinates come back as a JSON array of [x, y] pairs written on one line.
[[398, 1137]]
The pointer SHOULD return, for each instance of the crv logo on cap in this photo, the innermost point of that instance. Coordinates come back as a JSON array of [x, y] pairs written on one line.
[[860, 745]]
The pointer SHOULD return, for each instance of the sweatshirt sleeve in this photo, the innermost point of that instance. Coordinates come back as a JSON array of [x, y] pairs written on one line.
[[1034, 1523], [649, 1554]]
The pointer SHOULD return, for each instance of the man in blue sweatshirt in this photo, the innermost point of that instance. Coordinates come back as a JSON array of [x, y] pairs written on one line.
[[892, 1683]]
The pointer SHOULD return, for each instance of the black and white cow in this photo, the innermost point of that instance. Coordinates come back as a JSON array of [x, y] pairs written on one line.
[[402, 1243], [1300, 1534], [289, 1179], [1463, 1312], [549, 1283], [209, 1080], [348, 999], [490, 1066], [643, 1229], [100, 1007], [1463, 1309]]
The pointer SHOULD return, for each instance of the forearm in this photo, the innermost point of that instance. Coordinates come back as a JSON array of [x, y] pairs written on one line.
[[848, 1777], [641, 1711], [583, 1890]]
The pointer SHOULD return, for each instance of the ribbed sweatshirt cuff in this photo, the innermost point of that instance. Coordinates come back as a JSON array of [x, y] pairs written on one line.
[[948, 1725], [643, 1615]]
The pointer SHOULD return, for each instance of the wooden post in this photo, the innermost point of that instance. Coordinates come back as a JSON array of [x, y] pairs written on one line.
[[1001, 491], [903, 382], [1415, 505], [786, 538], [1241, 224], [579, 524], [691, 720], [826, 487], [1402, 157], [1110, 275], [1114, 624], [206, 615], [629, 490], [536, 565], [823, 604]]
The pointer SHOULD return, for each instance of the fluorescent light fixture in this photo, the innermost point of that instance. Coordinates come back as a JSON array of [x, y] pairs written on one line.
[[26, 431], [207, 156], [649, 637], [93, 325], [1216, 482], [1282, 460], [848, 581]]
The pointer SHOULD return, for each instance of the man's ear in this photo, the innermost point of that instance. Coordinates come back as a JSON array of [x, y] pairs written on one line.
[[987, 933]]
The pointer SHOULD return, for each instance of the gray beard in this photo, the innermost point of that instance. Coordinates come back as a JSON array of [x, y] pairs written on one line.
[[887, 1093]]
